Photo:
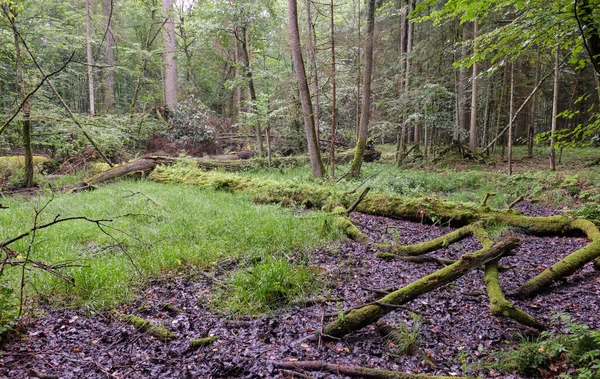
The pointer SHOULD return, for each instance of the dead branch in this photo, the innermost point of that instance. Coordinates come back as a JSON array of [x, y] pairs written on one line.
[[360, 198], [353, 371]]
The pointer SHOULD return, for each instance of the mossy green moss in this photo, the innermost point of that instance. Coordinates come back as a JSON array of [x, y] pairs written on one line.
[[201, 342], [147, 327]]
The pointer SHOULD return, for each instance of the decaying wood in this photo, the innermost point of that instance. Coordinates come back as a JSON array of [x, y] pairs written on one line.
[[352, 371], [501, 307], [359, 318]]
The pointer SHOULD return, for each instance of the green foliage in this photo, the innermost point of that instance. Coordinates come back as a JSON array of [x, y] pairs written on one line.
[[172, 228], [267, 285], [407, 334], [574, 355]]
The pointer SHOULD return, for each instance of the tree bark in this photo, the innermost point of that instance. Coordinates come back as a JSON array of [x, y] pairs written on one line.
[[26, 121], [363, 129], [473, 124], [531, 128], [109, 56], [463, 113], [333, 94], [311, 41], [170, 52], [251, 89], [510, 115], [554, 111], [90, 59], [314, 153]]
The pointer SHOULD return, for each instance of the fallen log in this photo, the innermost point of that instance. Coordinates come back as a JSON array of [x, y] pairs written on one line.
[[359, 318], [501, 307], [353, 371], [568, 265]]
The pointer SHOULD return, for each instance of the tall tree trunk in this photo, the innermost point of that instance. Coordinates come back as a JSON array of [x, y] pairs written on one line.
[[314, 154], [90, 60], [463, 111], [363, 129], [531, 128], [26, 122], [401, 90], [142, 72], [588, 26], [333, 93], [238, 90], [251, 89], [311, 41], [170, 51], [473, 126], [358, 76], [554, 111], [510, 114], [486, 111], [109, 56]]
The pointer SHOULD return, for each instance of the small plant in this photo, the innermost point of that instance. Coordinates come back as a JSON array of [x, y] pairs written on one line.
[[271, 283], [407, 335], [575, 355]]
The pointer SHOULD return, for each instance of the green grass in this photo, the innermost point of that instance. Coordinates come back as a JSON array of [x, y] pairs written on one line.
[[164, 228]]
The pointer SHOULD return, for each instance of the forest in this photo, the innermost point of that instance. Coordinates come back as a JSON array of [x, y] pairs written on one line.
[[401, 189]]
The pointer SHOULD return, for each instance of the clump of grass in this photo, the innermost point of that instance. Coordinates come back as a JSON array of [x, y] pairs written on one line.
[[267, 285], [163, 228]]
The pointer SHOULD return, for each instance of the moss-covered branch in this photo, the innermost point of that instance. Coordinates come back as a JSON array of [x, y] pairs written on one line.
[[432, 245], [147, 327], [359, 318], [353, 371], [501, 307]]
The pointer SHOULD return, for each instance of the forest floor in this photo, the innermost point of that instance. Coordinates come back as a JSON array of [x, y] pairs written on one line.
[[453, 328]]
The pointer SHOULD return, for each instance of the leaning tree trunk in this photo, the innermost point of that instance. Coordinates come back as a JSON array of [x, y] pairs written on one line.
[[314, 153], [363, 128]]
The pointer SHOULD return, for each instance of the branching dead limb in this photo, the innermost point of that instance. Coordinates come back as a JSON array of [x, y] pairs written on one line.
[[352, 371], [359, 318], [501, 307]]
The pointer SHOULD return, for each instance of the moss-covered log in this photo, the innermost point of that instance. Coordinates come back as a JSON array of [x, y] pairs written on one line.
[[432, 245], [147, 327], [201, 342], [352, 371], [361, 317], [501, 307], [563, 268]]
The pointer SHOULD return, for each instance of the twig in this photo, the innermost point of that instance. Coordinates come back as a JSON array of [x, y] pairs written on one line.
[[515, 202], [485, 198], [360, 198]]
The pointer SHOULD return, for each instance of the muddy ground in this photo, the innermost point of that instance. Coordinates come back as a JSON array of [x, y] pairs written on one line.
[[456, 326]]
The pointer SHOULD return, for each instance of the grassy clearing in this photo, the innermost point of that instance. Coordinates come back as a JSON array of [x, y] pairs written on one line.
[[166, 228]]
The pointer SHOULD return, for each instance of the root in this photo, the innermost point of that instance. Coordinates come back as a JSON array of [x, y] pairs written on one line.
[[147, 327]]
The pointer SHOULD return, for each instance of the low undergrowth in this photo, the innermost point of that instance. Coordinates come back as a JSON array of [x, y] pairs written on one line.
[[156, 229], [573, 354]]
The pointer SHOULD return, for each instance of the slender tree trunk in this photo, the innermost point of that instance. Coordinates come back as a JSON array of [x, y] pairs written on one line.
[[238, 90], [170, 52], [499, 107], [463, 111], [90, 60], [531, 129], [251, 89], [409, 46], [358, 73], [554, 111], [363, 129], [142, 72], [26, 122], [510, 114], [473, 126], [401, 89], [486, 111], [314, 154], [109, 57], [311, 41], [333, 93]]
